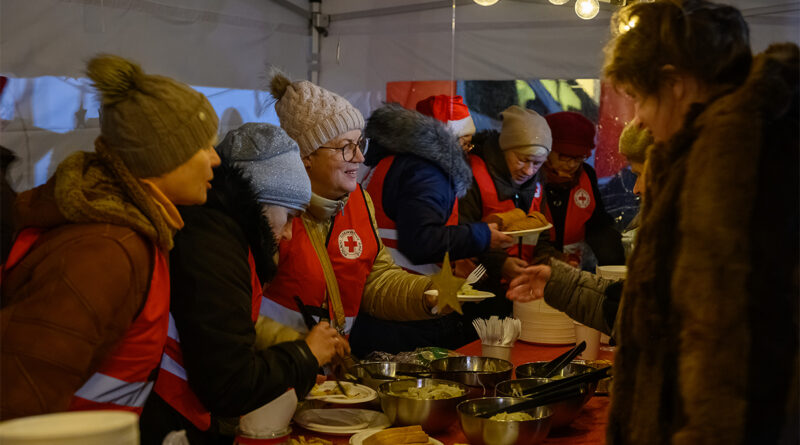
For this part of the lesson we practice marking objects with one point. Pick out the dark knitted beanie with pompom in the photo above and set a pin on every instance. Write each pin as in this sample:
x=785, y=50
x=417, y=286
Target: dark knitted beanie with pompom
x=153, y=123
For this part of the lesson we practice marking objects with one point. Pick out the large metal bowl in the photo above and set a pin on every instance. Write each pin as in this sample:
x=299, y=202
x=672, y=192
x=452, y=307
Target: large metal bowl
x=564, y=412
x=530, y=369
x=435, y=415
x=480, y=431
x=481, y=374
x=373, y=374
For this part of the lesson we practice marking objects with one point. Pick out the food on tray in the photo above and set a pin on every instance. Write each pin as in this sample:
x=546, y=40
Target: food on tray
x=301, y=440
x=403, y=435
x=511, y=417
x=326, y=389
x=466, y=289
x=516, y=220
x=431, y=392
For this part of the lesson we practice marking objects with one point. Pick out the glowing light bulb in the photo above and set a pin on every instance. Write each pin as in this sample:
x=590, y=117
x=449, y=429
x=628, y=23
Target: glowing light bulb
x=486, y=2
x=558, y=2
x=630, y=24
x=587, y=9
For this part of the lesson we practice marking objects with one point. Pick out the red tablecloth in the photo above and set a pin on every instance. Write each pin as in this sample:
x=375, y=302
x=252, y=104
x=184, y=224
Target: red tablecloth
x=588, y=428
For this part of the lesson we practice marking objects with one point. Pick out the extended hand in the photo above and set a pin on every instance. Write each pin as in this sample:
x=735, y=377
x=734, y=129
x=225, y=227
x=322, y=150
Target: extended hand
x=529, y=285
x=513, y=267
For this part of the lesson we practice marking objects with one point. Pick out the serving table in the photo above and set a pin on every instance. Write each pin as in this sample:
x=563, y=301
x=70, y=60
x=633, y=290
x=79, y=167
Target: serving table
x=588, y=428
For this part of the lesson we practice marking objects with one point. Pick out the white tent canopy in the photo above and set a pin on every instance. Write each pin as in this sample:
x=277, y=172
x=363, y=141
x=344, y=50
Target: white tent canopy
x=227, y=44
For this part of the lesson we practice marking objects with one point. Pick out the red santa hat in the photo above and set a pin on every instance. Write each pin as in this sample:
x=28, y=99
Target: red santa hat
x=450, y=110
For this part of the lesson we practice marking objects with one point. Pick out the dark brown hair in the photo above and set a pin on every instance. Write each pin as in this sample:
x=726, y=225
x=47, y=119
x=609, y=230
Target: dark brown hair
x=705, y=40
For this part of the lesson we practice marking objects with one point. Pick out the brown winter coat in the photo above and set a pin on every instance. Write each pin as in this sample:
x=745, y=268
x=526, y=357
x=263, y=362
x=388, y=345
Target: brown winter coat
x=73, y=296
x=708, y=323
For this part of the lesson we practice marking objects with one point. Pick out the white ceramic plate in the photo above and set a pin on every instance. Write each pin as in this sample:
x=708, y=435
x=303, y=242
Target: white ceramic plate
x=519, y=233
x=358, y=439
x=358, y=393
x=341, y=421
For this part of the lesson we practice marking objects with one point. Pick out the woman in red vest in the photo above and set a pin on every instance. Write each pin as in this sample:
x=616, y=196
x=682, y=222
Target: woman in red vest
x=335, y=261
x=505, y=168
x=85, y=290
x=215, y=365
x=572, y=199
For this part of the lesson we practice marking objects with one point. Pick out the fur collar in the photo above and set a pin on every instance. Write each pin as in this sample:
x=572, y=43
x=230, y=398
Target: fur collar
x=394, y=130
x=232, y=195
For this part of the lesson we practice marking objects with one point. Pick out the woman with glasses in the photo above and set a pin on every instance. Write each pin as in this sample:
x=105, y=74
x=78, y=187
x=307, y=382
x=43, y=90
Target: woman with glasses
x=335, y=261
x=505, y=167
x=573, y=203
x=708, y=322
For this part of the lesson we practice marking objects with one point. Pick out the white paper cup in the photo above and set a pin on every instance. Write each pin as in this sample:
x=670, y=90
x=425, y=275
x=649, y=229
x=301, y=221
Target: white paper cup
x=612, y=272
x=592, y=339
x=497, y=351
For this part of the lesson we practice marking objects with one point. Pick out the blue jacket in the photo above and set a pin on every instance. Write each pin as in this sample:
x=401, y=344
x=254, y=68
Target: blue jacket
x=420, y=189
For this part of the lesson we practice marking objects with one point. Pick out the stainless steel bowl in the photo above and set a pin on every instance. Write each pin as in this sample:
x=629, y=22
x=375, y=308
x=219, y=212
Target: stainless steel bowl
x=435, y=415
x=481, y=374
x=480, y=431
x=564, y=412
x=373, y=374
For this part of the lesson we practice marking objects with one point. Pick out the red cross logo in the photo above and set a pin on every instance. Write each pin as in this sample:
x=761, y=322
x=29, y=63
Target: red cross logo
x=350, y=245
x=582, y=198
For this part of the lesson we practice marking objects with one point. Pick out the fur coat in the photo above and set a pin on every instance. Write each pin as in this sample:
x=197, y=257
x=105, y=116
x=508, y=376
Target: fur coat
x=708, y=324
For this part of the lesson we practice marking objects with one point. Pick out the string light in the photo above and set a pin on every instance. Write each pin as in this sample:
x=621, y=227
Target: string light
x=586, y=9
x=487, y=2
x=559, y=2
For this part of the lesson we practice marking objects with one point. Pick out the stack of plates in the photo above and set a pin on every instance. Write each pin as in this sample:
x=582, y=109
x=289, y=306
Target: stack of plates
x=543, y=324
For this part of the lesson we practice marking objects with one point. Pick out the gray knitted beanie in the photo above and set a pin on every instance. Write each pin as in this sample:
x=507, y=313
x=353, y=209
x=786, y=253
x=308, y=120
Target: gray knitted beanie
x=271, y=163
x=312, y=115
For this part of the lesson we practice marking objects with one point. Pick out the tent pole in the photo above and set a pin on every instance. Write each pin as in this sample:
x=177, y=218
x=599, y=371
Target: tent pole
x=319, y=29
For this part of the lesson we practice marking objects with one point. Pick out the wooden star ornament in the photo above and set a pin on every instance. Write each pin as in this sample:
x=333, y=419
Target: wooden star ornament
x=448, y=285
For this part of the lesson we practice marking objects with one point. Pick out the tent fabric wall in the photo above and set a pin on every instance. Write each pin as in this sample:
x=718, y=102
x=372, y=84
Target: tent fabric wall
x=227, y=44
x=509, y=40
x=201, y=42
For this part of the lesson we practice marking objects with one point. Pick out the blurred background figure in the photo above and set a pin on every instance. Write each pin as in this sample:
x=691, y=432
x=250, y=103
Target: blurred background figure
x=572, y=200
x=633, y=144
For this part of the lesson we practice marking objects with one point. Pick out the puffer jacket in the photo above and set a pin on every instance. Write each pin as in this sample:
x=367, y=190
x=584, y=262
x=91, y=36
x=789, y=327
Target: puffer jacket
x=227, y=367
x=428, y=172
x=70, y=300
x=707, y=327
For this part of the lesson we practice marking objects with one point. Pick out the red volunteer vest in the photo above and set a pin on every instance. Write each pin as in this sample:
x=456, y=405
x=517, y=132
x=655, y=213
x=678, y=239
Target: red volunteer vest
x=123, y=380
x=492, y=204
x=387, y=228
x=352, y=248
x=579, y=209
x=172, y=384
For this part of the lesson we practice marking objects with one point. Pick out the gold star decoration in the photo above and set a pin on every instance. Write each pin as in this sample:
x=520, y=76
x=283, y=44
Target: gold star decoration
x=448, y=285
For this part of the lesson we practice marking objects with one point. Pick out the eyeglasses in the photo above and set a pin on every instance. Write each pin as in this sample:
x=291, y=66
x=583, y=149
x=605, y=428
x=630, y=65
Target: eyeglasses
x=571, y=159
x=349, y=149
